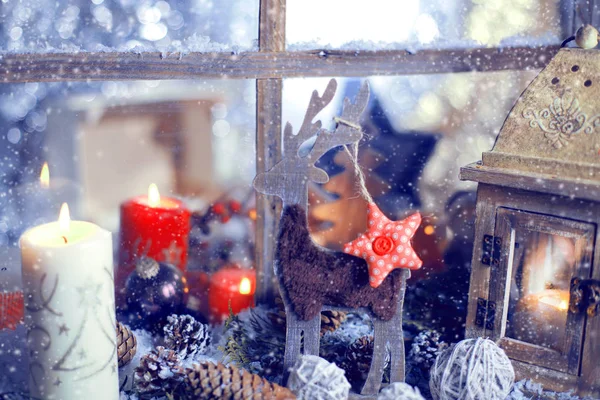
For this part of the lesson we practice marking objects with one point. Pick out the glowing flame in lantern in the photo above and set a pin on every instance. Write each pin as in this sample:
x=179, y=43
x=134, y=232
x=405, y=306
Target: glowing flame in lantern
x=564, y=305
x=153, y=195
x=558, y=299
x=45, y=176
x=64, y=219
x=245, y=286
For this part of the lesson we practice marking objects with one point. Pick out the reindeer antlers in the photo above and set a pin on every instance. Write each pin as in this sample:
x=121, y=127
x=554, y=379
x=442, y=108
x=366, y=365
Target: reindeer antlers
x=348, y=128
x=290, y=176
x=307, y=130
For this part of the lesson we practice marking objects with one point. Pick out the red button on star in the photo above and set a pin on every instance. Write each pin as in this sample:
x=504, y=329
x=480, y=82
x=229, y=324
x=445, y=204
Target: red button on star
x=386, y=245
x=383, y=245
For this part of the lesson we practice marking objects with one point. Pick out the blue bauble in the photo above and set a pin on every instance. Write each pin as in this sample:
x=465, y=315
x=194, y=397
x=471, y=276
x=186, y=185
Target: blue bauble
x=154, y=291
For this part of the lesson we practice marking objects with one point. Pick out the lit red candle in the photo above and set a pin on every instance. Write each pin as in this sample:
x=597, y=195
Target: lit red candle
x=152, y=226
x=231, y=287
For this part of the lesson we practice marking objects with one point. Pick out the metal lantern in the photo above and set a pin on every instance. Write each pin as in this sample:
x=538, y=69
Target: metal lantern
x=535, y=280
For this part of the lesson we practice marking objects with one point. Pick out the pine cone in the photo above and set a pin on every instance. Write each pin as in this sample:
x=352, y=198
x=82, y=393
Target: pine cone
x=186, y=336
x=358, y=359
x=158, y=373
x=272, y=365
x=277, y=318
x=208, y=381
x=330, y=320
x=126, y=345
x=425, y=348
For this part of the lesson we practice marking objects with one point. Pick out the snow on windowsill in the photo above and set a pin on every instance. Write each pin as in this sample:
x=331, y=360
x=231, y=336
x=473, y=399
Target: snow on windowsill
x=413, y=47
x=193, y=44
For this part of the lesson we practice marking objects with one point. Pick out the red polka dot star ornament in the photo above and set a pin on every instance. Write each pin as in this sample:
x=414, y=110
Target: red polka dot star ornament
x=386, y=244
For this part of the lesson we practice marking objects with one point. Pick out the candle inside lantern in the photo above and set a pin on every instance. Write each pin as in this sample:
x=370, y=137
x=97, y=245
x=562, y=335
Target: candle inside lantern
x=231, y=287
x=67, y=270
x=152, y=226
x=541, y=318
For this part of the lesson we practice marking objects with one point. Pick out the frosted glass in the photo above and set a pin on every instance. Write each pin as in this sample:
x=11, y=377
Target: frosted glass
x=416, y=24
x=128, y=25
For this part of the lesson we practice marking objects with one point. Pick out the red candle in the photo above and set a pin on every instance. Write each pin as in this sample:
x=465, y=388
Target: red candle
x=231, y=286
x=154, y=227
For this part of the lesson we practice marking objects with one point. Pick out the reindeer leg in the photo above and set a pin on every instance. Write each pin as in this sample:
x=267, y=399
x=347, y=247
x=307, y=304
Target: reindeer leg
x=312, y=335
x=397, y=361
x=293, y=341
x=396, y=349
x=373, y=383
x=297, y=332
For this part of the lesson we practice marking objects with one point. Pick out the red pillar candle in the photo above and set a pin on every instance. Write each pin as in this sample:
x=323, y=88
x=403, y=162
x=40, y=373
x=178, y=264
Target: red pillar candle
x=154, y=227
x=231, y=285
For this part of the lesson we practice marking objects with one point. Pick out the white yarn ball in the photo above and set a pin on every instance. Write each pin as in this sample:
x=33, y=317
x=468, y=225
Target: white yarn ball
x=473, y=369
x=313, y=378
x=400, y=391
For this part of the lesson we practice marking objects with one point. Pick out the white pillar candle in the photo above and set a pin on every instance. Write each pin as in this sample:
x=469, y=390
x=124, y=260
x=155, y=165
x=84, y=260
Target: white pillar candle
x=70, y=311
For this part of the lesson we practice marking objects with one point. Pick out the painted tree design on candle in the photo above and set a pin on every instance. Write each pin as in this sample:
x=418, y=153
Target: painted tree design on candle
x=44, y=303
x=75, y=357
x=96, y=316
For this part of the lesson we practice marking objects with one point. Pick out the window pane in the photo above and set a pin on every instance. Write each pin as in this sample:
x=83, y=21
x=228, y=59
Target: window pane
x=419, y=131
x=126, y=25
x=414, y=24
x=105, y=143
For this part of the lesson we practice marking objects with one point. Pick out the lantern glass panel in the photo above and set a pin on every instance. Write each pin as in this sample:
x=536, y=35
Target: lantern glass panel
x=542, y=267
x=534, y=259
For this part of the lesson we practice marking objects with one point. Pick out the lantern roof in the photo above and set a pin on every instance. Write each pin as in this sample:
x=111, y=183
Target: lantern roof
x=551, y=136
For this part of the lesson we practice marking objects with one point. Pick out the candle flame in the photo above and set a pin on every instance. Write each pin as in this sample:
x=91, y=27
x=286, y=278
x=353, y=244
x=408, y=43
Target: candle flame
x=153, y=195
x=45, y=176
x=245, y=286
x=564, y=305
x=64, y=219
x=558, y=299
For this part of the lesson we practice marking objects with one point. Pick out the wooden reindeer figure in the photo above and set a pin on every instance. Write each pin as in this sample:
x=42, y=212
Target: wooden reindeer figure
x=313, y=278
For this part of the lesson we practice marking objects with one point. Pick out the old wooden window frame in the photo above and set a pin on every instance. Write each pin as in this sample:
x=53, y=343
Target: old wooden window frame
x=269, y=66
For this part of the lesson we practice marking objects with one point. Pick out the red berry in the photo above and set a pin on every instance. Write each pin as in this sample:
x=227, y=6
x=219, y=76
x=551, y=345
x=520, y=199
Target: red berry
x=235, y=206
x=218, y=208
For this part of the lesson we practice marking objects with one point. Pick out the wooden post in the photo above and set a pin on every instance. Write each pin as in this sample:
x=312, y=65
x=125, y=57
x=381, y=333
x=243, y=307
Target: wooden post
x=268, y=147
x=584, y=12
x=568, y=18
